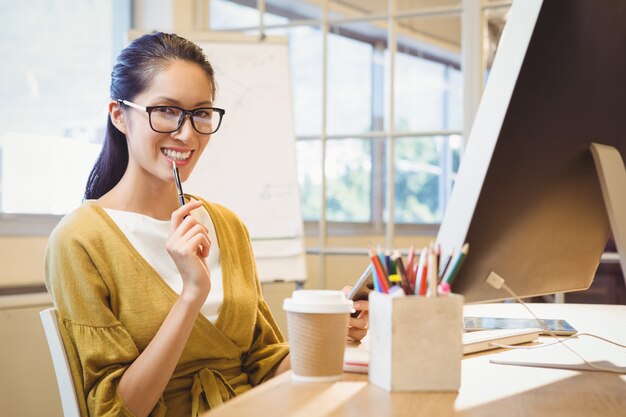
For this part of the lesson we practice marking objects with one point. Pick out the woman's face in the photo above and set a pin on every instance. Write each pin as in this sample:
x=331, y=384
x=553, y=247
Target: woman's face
x=183, y=84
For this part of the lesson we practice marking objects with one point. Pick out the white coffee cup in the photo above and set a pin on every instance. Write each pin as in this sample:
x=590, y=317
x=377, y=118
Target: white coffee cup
x=318, y=325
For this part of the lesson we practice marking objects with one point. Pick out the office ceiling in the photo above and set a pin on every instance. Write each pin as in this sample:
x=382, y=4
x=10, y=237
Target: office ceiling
x=444, y=30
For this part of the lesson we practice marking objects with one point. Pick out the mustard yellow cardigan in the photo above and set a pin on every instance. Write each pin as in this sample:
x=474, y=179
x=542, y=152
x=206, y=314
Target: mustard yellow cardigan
x=111, y=303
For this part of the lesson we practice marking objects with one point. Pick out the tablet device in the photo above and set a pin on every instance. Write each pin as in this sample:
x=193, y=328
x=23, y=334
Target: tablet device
x=362, y=287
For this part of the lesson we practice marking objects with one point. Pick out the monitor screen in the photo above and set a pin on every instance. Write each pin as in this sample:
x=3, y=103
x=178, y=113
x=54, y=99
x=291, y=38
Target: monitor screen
x=527, y=197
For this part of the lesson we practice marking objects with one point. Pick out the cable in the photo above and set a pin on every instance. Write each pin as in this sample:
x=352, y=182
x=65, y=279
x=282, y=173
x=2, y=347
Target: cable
x=554, y=343
x=497, y=282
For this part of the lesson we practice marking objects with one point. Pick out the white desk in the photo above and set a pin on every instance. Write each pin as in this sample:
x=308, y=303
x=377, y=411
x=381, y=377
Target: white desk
x=486, y=389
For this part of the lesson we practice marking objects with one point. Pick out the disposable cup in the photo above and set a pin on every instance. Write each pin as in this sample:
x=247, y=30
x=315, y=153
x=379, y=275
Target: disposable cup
x=317, y=321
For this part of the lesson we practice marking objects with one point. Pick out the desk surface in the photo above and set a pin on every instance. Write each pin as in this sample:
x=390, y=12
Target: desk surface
x=486, y=388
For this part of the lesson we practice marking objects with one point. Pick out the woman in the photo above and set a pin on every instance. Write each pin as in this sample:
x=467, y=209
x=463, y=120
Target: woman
x=160, y=308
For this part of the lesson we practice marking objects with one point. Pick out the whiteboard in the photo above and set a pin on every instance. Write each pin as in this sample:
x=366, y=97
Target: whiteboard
x=249, y=165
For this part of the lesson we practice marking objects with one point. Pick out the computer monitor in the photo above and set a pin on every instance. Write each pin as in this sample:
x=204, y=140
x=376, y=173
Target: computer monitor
x=527, y=197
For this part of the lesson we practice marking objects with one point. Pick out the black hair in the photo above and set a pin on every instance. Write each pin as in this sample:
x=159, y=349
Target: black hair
x=136, y=65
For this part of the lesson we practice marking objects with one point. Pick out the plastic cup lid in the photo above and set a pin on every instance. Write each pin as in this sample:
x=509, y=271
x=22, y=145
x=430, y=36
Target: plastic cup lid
x=318, y=301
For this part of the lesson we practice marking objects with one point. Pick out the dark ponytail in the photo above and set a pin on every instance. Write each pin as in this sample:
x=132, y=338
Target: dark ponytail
x=136, y=65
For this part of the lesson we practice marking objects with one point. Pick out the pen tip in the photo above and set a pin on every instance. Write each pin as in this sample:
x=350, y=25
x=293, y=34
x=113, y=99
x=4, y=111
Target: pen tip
x=173, y=163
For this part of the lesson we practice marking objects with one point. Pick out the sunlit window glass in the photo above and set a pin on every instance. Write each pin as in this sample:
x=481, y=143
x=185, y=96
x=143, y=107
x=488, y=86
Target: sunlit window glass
x=420, y=94
x=54, y=81
x=309, y=155
x=348, y=180
x=417, y=179
x=349, y=108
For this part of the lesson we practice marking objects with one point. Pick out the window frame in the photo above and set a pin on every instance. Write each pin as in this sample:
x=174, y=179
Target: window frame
x=378, y=191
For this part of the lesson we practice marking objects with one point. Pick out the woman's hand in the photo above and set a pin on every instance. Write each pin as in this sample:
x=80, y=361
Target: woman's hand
x=357, y=326
x=188, y=245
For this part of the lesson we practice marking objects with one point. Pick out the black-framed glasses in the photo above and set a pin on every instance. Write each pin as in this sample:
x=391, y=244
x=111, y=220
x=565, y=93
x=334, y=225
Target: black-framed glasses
x=168, y=119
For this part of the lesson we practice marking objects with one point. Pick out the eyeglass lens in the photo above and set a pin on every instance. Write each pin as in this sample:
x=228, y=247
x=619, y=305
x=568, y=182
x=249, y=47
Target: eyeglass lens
x=167, y=119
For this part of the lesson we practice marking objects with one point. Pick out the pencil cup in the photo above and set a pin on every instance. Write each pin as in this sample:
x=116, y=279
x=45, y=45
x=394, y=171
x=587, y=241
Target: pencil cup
x=317, y=321
x=415, y=342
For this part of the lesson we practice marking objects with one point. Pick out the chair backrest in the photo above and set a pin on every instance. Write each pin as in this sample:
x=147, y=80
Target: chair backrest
x=65, y=382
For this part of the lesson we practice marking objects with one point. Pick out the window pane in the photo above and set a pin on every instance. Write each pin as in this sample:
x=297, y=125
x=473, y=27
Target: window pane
x=417, y=179
x=349, y=108
x=348, y=180
x=224, y=14
x=420, y=91
x=426, y=52
x=57, y=187
x=455, y=144
x=309, y=162
x=454, y=99
x=305, y=55
x=54, y=96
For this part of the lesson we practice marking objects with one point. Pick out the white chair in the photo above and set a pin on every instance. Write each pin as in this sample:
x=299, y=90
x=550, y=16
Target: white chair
x=50, y=322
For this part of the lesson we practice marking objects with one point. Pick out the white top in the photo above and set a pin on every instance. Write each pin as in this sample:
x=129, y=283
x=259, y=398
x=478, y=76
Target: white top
x=149, y=236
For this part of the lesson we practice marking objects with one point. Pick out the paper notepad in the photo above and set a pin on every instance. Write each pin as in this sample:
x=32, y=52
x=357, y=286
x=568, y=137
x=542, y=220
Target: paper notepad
x=357, y=356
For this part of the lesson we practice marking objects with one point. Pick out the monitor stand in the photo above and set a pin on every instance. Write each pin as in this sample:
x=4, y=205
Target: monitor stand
x=612, y=176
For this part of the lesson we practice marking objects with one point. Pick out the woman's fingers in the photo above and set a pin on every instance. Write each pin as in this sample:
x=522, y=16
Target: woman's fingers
x=178, y=216
x=190, y=238
x=198, y=236
x=188, y=244
x=194, y=241
x=200, y=244
x=357, y=326
x=346, y=290
x=362, y=305
x=360, y=322
x=195, y=229
x=356, y=334
x=188, y=225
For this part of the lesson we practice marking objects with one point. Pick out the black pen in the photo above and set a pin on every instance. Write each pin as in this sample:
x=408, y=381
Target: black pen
x=179, y=187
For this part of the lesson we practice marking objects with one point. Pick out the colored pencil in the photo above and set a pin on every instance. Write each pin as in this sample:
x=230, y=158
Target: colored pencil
x=406, y=286
x=409, y=266
x=380, y=271
x=458, y=262
x=421, y=265
x=442, y=273
x=432, y=272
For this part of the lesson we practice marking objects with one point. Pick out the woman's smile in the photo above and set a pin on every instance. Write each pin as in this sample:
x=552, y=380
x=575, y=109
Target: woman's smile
x=182, y=156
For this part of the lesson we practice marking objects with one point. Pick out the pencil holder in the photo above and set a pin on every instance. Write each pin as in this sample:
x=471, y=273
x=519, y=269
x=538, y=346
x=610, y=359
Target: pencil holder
x=415, y=342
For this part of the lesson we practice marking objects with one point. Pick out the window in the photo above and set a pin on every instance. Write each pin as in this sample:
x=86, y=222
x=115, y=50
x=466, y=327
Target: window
x=425, y=168
x=349, y=90
x=348, y=180
x=54, y=81
x=427, y=98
